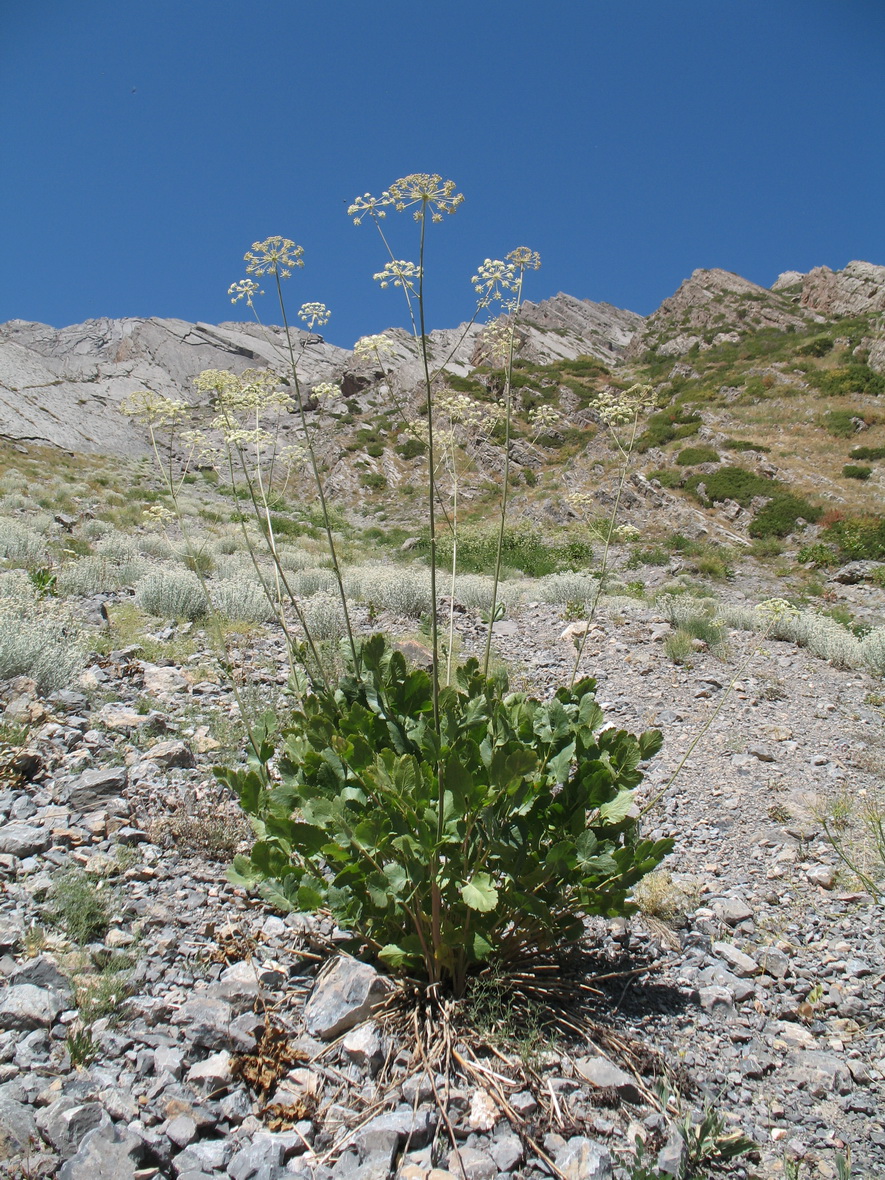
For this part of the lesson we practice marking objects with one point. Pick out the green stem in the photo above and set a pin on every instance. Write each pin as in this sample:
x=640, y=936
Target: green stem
x=299, y=401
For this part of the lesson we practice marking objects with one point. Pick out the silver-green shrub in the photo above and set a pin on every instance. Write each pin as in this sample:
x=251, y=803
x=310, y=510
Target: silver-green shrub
x=172, y=593
x=38, y=639
x=404, y=592
x=89, y=575
x=312, y=581
x=324, y=616
x=21, y=544
x=567, y=587
x=242, y=598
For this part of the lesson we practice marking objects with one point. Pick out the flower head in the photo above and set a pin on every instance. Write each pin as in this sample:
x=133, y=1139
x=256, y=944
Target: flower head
x=776, y=608
x=244, y=289
x=542, y=419
x=525, y=259
x=493, y=278
x=314, y=315
x=617, y=407
x=427, y=191
x=325, y=391
x=274, y=256
x=375, y=349
x=153, y=408
x=399, y=274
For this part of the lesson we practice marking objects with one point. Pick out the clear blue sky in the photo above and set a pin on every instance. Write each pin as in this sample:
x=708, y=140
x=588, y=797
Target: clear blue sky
x=146, y=143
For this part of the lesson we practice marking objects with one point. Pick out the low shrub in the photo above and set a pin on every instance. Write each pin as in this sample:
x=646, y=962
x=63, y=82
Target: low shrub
x=38, y=639
x=403, y=592
x=692, y=456
x=21, y=545
x=842, y=423
x=857, y=538
x=781, y=516
x=666, y=425
x=171, y=593
x=667, y=477
x=242, y=599
x=740, y=444
x=853, y=378
x=855, y=471
x=80, y=905
x=871, y=454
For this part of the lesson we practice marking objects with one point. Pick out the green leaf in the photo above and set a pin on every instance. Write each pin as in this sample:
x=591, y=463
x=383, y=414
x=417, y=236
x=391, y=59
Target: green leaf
x=617, y=809
x=479, y=893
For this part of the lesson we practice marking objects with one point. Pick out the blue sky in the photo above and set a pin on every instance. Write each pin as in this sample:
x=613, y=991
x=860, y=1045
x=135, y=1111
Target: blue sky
x=146, y=144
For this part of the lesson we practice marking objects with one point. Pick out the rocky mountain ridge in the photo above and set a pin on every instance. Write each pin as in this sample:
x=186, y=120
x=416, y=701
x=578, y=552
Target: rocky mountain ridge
x=63, y=386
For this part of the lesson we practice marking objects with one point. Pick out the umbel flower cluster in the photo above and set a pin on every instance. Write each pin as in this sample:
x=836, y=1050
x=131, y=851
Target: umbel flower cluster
x=422, y=191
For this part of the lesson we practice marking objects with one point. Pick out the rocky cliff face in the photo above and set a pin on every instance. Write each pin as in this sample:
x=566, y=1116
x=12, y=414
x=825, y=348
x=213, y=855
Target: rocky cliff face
x=714, y=307
x=856, y=290
x=64, y=386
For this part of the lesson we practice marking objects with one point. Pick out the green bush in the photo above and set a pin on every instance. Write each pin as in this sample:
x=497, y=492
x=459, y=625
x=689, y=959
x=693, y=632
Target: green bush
x=691, y=456
x=411, y=448
x=853, y=471
x=666, y=425
x=732, y=483
x=778, y=518
x=822, y=555
x=849, y=379
x=820, y=346
x=80, y=906
x=494, y=840
x=667, y=477
x=841, y=422
x=740, y=444
x=858, y=538
x=868, y=453
x=374, y=480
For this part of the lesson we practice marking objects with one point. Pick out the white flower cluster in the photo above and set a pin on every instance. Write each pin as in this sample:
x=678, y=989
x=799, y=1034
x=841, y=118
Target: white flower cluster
x=493, y=277
x=274, y=256
x=244, y=289
x=617, y=407
x=399, y=274
x=543, y=418
x=325, y=391
x=374, y=349
x=153, y=408
x=315, y=315
x=427, y=191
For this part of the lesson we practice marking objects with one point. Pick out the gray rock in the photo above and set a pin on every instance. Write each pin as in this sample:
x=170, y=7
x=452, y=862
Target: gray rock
x=182, y=1131
x=259, y=1160
x=344, y=995
x=742, y=965
x=819, y=1073
x=95, y=787
x=717, y=1000
x=672, y=1156
x=169, y=755
x=773, y=961
x=25, y=1006
x=67, y=1121
x=42, y=972
x=17, y=1124
x=212, y=1074
x=473, y=1164
x=582, y=1159
x=719, y=975
x=206, y=1155
x=21, y=840
x=414, y=1127
x=734, y=911
x=507, y=1152
x=601, y=1072
x=363, y=1046
x=106, y=1153
x=822, y=875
